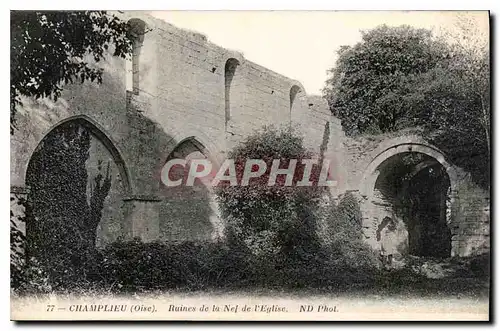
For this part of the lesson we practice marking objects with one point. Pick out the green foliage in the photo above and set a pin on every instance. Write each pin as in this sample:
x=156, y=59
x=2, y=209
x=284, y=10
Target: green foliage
x=137, y=267
x=400, y=77
x=53, y=48
x=371, y=88
x=480, y=265
x=133, y=265
x=32, y=277
x=344, y=237
x=279, y=225
x=17, y=245
x=271, y=220
x=457, y=110
x=61, y=224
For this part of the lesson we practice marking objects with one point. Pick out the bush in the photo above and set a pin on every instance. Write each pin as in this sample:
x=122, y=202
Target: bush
x=133, y=265
x=480, y=265
x=17, y=247
x=136, y=266
x=32, y=277
x=272, y=220
x=346, y=249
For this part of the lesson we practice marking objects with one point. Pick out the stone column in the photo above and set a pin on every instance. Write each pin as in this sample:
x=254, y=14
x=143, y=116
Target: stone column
x=142, y=219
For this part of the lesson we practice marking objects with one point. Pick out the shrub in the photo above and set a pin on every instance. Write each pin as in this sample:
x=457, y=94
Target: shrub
x=272, y=220
x=134, y=265
x=344, y=242
x=32, y=277
x=25, y=276
x=480, y=265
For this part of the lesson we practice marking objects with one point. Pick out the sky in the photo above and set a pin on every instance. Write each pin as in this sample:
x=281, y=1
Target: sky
x=301, y=45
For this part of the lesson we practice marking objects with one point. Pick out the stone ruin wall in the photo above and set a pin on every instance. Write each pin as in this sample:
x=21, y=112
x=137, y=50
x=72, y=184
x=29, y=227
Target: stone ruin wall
x=178, y=95
x=470, y=204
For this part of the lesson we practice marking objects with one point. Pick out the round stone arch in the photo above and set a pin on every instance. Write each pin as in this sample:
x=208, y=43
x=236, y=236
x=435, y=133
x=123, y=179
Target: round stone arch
x=233, y=86
x=298, y=84
x=368, y=180
x=298, y=103
x=104, y=138
x=370, y=174
x=295, y=89
x=230, y=54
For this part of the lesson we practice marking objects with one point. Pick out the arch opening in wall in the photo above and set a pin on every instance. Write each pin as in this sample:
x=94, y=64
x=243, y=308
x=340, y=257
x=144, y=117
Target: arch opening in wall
x=295, y=92
x=230, y=70
x=414, y=189
x=77, y=183
x=137, y=30
x=188, y=211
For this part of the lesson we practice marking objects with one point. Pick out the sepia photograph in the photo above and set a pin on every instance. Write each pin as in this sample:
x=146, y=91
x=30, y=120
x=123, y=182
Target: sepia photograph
x=250, y=165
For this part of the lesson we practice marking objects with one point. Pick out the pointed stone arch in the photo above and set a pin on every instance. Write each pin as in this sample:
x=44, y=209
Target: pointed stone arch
x=103, y=137
x=100, y=158
x=189, y=212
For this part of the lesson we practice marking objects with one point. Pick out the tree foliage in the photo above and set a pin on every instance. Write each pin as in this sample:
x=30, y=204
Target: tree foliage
x=53, y=48
x=61, y=216
x=277, y=219
x=457, y=100
x=371, y=86
x=399, y=77
x=283, y=227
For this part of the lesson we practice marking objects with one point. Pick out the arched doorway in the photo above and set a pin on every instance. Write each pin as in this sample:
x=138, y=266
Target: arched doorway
x=77, y=182
x=415, y=188
x=413, y=184
x=188, y=212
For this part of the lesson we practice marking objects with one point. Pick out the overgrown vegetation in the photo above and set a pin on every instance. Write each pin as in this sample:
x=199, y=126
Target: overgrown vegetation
x=48, y=50
x=344, y=237
x=276, y=220
x=136, y=267
x=394, y=78
x=272, y=238
x=60, y=216
x=52, y=48
x=402, y=77
x=276, y=238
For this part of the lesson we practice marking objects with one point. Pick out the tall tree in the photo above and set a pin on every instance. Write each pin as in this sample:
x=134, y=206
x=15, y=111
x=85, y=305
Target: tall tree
x=456, y=98
x=399, y=77
x=371, y=87
x=62, y=216
x=50, y=49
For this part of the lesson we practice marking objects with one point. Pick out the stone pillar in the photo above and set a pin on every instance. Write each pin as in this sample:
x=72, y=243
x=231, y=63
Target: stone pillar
x=453, y=224
x=142, y=219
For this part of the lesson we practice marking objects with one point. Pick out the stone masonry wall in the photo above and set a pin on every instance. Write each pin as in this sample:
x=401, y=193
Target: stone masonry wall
x=182, y=94
x=470, y=216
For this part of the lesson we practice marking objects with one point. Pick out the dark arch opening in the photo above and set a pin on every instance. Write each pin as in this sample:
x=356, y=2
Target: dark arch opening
x=75, y=200
x=293, y=93
x=415, y=188
x=229, y=73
